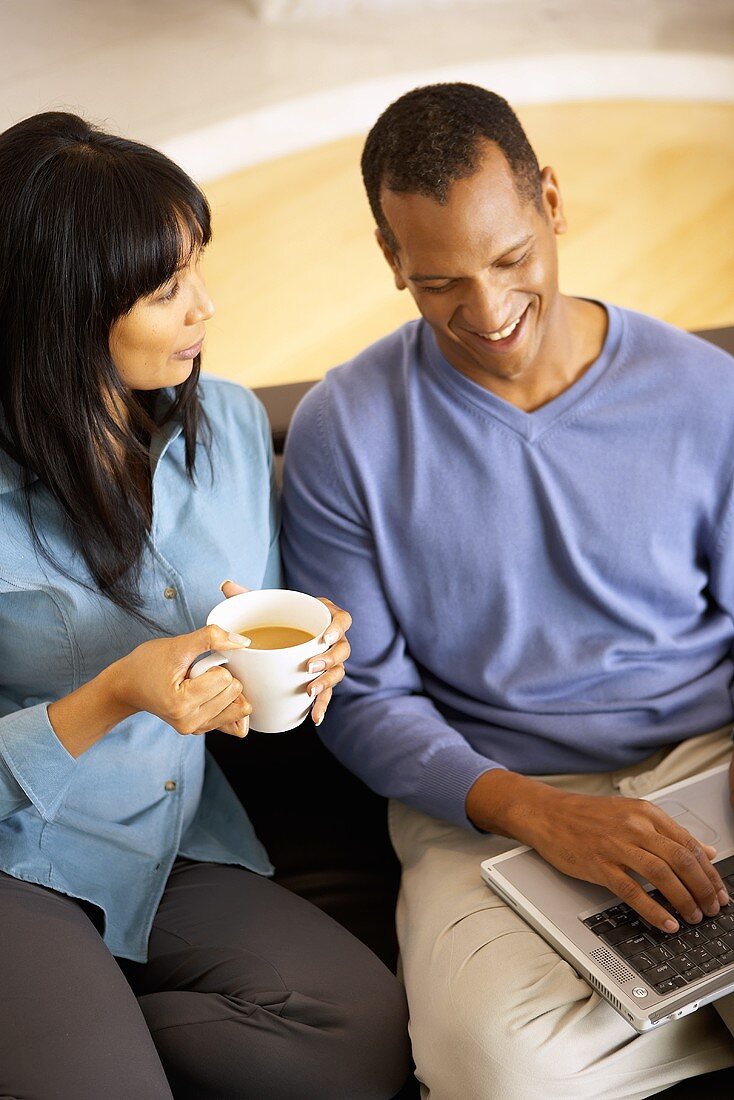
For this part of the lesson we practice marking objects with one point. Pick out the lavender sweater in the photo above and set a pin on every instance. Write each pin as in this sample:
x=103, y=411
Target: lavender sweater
x=547, y=592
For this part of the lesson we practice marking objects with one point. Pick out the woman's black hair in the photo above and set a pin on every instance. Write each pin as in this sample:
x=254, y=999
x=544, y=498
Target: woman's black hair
x=90, y=224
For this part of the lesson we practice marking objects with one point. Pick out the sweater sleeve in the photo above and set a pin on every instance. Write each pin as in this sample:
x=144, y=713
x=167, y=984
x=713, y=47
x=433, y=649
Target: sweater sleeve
x=721, y=559
x=380, y=724
x=35, y=768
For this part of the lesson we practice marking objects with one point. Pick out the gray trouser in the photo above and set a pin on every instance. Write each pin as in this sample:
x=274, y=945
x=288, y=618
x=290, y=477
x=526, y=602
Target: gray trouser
x=249, y=992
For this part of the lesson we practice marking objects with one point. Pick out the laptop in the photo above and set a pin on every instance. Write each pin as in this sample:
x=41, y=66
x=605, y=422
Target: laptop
x=650, y=977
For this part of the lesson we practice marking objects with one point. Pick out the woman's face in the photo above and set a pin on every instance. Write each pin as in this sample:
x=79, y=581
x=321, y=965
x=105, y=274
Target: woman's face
x=155, y=344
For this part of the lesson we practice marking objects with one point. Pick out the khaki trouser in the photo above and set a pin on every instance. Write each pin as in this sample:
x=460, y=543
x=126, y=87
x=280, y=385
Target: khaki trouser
x=496, y=1013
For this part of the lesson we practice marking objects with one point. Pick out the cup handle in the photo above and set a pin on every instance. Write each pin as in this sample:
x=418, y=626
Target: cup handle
x=203, y=664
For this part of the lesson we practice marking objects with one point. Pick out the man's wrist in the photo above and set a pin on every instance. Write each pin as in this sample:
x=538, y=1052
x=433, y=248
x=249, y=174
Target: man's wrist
x=506, y=802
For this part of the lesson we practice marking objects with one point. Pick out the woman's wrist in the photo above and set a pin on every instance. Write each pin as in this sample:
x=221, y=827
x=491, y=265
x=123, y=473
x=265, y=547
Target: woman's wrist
x=87, y=714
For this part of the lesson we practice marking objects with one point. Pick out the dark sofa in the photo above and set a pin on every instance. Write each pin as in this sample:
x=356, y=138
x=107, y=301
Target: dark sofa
x=326, y=832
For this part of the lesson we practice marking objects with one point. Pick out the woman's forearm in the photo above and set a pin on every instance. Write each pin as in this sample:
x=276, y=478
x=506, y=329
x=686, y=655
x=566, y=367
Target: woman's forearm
x=87, y=714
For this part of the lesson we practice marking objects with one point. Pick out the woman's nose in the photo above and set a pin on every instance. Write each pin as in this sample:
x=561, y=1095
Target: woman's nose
x=203, y=306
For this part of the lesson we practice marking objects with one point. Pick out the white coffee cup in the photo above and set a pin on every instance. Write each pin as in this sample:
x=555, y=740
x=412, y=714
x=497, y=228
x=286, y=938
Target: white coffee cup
x=275, y=681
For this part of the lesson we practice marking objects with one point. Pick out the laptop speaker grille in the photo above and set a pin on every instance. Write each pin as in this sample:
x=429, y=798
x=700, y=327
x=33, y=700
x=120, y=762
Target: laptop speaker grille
x=606, y=994
x=612, y=965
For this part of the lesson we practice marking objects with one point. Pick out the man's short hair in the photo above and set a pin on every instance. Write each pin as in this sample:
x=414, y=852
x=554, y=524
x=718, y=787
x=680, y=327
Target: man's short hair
x=431, y=137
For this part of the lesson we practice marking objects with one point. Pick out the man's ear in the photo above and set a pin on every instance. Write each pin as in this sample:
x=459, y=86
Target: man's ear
x=552, y=201
x=392, y=260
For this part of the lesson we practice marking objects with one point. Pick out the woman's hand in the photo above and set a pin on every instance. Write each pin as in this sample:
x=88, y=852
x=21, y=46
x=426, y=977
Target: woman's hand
x=154, y=677
x=329, y=665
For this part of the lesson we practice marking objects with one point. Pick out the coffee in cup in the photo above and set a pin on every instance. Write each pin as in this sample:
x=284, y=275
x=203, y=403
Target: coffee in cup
x=274, y=678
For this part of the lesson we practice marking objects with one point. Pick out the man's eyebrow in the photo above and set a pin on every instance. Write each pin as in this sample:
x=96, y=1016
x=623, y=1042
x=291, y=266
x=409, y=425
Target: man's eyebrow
x=513, y=248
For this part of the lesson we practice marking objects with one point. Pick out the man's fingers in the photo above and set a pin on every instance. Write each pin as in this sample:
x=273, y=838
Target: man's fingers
x=692, y=865
x=658, y=872
x=638, y=899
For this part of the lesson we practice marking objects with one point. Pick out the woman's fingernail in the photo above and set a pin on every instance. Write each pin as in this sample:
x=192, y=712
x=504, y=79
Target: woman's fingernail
x=331, y=637
x=317, y=666
x=314, y=690
x=243, y=726
x=221, y=587
x=240, y=639
x=319, y=720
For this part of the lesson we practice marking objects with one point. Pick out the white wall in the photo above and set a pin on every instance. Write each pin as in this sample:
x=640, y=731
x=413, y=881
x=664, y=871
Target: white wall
x=272, y=10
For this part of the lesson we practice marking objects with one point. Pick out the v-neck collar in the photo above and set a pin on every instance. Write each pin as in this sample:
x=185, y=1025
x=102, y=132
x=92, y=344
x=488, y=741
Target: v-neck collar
x=528, y=425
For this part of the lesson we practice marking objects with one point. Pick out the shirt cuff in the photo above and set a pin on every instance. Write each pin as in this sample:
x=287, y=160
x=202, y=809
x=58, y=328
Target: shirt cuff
x=37, y=760
x=446, y=780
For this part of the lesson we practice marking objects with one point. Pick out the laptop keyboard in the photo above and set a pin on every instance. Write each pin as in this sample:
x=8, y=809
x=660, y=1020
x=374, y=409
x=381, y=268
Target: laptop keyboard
x=669, y=961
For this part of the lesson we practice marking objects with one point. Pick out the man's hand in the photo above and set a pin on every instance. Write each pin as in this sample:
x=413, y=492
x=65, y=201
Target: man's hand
x=602, y=839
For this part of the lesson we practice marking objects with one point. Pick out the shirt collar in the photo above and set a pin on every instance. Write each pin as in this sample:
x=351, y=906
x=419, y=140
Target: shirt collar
x=12, y=475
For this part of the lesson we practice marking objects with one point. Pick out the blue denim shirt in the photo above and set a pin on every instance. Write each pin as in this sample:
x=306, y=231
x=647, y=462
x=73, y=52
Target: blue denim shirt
x=107, y=826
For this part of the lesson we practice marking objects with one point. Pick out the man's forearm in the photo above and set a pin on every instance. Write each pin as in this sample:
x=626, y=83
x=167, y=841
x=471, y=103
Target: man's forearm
x=507, y=803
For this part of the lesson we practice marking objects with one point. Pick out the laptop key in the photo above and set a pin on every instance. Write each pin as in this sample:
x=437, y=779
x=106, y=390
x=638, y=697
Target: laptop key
x=726, y=920
x=682, y=964
x=727, y=958
x=632, y=947
x=641, y=962
x=717, y=947
x=660, y=973
x=710, y=929
x=709, y=965
x=676, y=946
x=615, y=935
x=699, y=955
x=602, y=927
x=656, y=934
x=693, y=975
x=670, y=984
x=598, y=918
x=659, y=954
x=694, y=938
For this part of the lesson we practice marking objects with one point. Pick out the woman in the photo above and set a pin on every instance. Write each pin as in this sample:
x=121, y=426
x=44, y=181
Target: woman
x=144, y=953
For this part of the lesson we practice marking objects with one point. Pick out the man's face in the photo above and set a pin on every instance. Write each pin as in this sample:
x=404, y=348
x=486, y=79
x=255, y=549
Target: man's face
x=482, y=269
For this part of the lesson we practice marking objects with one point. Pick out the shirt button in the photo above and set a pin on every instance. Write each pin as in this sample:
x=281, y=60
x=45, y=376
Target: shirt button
x=170, y=785
x=170, y=593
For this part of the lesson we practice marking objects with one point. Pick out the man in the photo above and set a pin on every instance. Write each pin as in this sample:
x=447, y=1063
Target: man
x=525, y=500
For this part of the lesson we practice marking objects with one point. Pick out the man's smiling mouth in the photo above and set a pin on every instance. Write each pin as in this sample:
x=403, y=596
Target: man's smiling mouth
x=502, y=333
